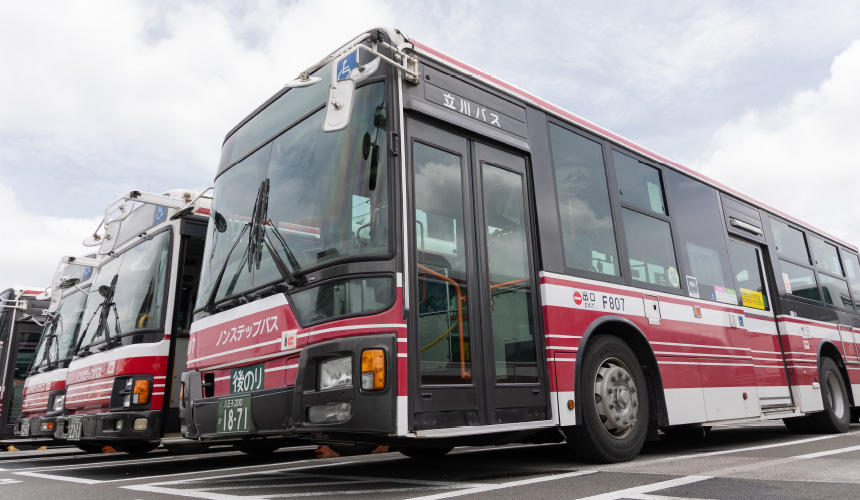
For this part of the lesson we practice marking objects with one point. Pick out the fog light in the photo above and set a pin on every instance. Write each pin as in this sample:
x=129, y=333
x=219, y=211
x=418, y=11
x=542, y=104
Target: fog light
x=117, y=426
x=140, y=424
x=332, y=412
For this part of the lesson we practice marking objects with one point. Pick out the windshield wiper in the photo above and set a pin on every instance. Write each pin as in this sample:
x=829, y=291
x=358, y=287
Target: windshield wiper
x=105, y=307
x=264, y=223
x=217, y=283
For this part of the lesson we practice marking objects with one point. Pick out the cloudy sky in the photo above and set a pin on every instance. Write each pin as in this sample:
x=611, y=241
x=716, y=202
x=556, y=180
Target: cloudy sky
x=103, y=97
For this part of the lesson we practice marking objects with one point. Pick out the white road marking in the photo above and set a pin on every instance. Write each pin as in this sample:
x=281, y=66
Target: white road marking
x=60, y=478
x=500, y=486
x=8, y=481
x=660, y=497
x=662, y=485
x=828, y=452
x=751, y=448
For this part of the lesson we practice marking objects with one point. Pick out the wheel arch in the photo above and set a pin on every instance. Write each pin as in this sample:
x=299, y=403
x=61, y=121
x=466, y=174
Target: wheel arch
x=627, y=331
x=827, y=349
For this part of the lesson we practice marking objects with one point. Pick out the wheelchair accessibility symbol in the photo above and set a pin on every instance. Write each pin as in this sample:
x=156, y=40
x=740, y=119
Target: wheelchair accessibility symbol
x=160, y=214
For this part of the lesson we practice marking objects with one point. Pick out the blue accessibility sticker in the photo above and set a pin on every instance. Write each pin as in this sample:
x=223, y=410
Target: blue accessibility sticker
x=346, y=65
x=160, y=214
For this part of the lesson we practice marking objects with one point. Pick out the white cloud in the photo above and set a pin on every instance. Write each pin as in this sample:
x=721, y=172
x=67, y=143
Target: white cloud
x=800, y=157
x=31, y=245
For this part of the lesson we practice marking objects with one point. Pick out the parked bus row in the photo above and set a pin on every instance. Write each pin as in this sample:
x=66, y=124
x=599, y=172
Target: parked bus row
x=404, y=250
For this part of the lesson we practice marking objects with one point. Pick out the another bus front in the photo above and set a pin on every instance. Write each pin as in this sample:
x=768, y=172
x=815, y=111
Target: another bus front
x=45, y=389
x=120, y=389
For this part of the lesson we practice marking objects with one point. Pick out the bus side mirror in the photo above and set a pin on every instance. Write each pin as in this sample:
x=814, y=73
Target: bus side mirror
x=220, y=222
x=339, y=106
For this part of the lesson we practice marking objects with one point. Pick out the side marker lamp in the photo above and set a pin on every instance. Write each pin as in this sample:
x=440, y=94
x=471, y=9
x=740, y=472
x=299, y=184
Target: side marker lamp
x=141, y=392
x=372, y=370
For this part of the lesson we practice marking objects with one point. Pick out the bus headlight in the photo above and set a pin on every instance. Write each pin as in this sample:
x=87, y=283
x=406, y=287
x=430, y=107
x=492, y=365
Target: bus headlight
x=59, y=401
x=335, y=373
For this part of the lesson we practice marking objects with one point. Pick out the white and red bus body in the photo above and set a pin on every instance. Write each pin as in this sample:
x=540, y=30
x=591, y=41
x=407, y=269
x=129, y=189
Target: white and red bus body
x=22, y=310
x=503, y=271
x=122, y=384
x=45, y=389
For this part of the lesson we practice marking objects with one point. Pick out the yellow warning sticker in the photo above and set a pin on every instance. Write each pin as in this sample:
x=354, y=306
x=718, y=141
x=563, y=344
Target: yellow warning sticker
x=751, y=298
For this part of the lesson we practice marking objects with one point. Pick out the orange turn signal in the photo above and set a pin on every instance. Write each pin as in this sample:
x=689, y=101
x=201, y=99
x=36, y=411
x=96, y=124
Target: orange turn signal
x=141, y=392
x=373, y=370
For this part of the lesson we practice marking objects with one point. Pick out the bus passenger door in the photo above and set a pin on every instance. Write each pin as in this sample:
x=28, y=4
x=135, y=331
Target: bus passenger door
x=475, y=354
x=760, y=322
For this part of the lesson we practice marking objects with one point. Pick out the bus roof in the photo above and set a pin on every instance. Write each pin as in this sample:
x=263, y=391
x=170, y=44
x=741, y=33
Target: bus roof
x=605, y=133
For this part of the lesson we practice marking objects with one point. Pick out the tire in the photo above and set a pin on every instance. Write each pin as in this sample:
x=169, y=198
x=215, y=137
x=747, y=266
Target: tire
x=137, y=448
x=349, y=450
x=421, y=452
x=260, y=446
x=798, y=425
x=837, y=414
x=614, y=404
x=90, y=448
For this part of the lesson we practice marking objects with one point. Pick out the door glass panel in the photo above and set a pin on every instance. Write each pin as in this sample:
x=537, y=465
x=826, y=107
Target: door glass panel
x=510, y=284
x=26, y=351
x=443, y=322
x=745, y=264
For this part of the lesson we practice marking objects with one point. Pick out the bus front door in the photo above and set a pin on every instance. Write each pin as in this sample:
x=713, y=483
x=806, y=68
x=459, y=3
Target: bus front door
x=760, y=322
x=476, y=353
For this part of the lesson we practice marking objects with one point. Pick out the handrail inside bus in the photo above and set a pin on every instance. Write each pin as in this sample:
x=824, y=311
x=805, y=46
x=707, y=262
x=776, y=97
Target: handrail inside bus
x=463, y=372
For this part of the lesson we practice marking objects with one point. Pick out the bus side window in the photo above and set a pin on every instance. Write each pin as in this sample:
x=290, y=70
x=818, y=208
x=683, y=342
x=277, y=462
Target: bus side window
x=852, y=269
x=588, y=235
x=703, y=250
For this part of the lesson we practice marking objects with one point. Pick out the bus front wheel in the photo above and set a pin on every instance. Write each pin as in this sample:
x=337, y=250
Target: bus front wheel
x=614, y=403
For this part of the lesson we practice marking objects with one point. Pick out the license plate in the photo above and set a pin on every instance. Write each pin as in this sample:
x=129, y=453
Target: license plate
x=25, y=427
x=76, y=424
x=234, y=414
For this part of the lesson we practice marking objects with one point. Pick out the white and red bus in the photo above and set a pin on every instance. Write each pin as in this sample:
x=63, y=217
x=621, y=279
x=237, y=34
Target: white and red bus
x=22, y=312
x=45, y=388
x=122, y=383
x=406, y=250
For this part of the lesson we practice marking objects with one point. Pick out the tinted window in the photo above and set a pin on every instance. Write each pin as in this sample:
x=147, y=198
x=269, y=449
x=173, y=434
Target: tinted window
x=825, y=255
x=583, y=203
x=789, y=241
x=639, y=184
x=649, y=243
x=799, y=280
x=703, y=244
x=745, y=263
x=835, y=291
x=852, y=268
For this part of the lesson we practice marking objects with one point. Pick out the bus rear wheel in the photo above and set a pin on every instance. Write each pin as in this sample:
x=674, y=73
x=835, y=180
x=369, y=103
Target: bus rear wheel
x=837, y=414
x=614, y=403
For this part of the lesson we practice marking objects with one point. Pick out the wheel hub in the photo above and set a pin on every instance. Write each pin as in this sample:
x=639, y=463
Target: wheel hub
x=616, y=398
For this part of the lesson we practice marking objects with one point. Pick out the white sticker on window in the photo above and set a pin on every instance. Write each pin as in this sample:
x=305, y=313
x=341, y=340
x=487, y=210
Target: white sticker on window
x=787, y=282
x=693, y=287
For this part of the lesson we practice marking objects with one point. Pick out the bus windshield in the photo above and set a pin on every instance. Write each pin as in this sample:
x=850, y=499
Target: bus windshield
x=326, y=199
x=136, y=279
x=61, y=331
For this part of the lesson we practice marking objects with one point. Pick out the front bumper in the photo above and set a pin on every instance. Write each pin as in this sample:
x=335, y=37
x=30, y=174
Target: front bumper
x=101, y=428
x=283, y=411
x=40, y=427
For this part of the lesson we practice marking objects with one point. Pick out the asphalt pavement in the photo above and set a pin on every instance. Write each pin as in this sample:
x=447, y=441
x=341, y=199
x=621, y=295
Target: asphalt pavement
x=753, y=461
